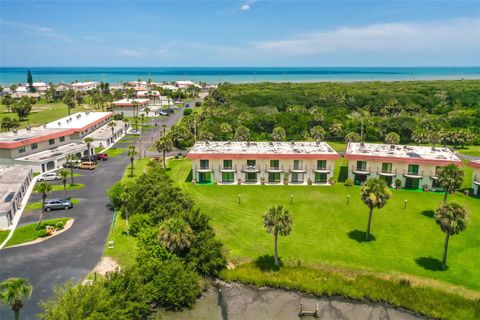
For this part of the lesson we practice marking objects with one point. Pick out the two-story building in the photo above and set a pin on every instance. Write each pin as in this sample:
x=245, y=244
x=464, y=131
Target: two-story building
x=262, y=162
x=475, y=164
x=14, y=182
x=414, y=166
x=83, y=86
x=129, y=107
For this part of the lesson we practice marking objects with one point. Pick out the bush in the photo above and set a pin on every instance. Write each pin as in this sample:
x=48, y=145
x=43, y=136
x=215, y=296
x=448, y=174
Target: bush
x=332, y=180
x=187, y=112
x=198, y=104
x=398, y=183
x=42, y=233
x=60, y=225
x=118, y=116
x=349, y=182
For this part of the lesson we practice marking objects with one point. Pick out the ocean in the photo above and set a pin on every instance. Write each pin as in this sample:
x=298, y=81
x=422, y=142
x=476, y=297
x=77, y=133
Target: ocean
x=116, y=75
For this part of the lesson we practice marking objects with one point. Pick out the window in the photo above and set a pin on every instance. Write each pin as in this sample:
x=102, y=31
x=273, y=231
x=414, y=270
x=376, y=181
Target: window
x=61, y=139
x=274, y=177
x=413, y=169
x=274, y=164
x=321, y=164
x=361, y=165
x=297, y=164
x=51, y=141
x=203, y=164
x=250, y=177
x=21, y=149
x=34, y=146
x=227, y=164
x=251, y=163
x=386, y=167
x=227, y=177
x=297, y=177
x=320, y=177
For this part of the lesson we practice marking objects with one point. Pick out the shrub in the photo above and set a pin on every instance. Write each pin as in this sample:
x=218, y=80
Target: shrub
x=309, y=181
x=349, y=182
x=187, y=112
x=398, y=183
x=43, y=233
x=60, y=225
x=198, y=104
x=118, y=116
x=332, y=180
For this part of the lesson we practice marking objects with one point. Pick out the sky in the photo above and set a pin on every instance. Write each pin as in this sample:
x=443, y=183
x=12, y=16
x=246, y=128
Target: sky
x=239, y=33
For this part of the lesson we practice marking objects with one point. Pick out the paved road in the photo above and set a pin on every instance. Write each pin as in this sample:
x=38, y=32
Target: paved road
x=72, y=254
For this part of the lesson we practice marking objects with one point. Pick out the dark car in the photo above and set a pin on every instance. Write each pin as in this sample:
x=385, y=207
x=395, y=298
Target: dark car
x=102, y=156
x=187, y=105
x=56, y=204
x=88, y=159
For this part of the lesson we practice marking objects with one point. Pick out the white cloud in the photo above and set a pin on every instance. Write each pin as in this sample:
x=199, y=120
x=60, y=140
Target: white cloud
x=129, y=53
x=36, y=30
x=245, y=7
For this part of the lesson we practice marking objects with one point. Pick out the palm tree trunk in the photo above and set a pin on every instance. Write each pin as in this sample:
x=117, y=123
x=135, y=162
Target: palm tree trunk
x=126, y=221
x=71, y=174
x=65, y=189
x=131, y=167
x=445, y=196
x=367, y=235
x=277, y=263
x=164, y=164
x=44, y=196
x=17, y=314
x=445, y=248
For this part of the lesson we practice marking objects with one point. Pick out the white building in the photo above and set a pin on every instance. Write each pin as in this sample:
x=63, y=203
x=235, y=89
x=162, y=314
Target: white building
x=84, y=86
x=40, y=86
x=262, y=162
x=130, y=107
x=414, y=166
x=14, y=182
x=184, y=84
x=476, y=176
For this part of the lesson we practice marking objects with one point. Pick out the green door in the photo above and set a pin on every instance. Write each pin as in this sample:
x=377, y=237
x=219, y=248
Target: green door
x=204, y=177
x=412, y=183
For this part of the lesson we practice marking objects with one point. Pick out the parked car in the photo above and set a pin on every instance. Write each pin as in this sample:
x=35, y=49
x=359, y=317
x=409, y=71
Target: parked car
x=50, y=176
x=72, y=163
x=88, y=165
x=88, y=159
x=187, y=105
x=163, y=113
x=55, y=204
x=176, y=107
x=134, y=132
x=102, y=156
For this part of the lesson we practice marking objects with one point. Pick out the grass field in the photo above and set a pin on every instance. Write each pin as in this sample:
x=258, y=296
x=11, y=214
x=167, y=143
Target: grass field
x=114, y=152
x=27, y=233
x=44, y=112
x=328, y=231
x=59, y=187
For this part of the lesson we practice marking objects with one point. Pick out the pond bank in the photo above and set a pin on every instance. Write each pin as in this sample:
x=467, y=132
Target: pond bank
x=234, y=301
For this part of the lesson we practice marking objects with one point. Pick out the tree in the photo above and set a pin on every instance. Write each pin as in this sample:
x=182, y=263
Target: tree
x=176, y=235
x=88, y=141
x=450, y=177
x=392, y=138
x=452, y=219
x=69, y=101
x=50, y=93
x=352, y=137
x=277, y=220
x=374, y=194
x=8, y=101
x=70, y=158
x=132, y=152
x=242, y=134
x=112, y=124
x=164, y=145
x=30, y=86
x=279, y=134
x=23, y=108
x=317, y=133
x=336, y=129
x=44, y=188
x=64, y=175
x=13, y=292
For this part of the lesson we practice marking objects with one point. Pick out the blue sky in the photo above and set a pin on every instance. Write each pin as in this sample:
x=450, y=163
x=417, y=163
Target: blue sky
x=239, y=33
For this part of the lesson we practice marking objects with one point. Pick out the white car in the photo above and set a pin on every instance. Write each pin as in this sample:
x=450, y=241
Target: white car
x=51, y=176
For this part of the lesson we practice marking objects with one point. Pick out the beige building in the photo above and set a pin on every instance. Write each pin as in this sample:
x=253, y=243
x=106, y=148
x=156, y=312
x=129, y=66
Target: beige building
x=414, y=166
x=262, y=162
x=476, y=176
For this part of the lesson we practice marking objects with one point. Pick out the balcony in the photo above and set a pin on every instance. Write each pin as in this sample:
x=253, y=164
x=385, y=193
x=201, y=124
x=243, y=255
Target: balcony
x=251, y=169
x=391, y=173
x=413, y=174
x=322, y=169
x=298, y=169
x=227, y=169
x=361, y=170
x=203, y=168
x=278, y=169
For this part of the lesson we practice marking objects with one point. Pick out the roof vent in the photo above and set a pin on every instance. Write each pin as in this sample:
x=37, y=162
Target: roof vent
x=362, y=144
x=392, y=147
x=28, y=128
x=15, y=131
x=59, y=123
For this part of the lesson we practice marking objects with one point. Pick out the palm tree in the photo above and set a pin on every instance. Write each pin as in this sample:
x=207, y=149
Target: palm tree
x=132, y=152
x=13, y=292
x=164, y=145
x=176, y=235
x=44, y=188
x=112, y=125
x=279, y=134
x=450, y=178
x=375, y=194
x=89, y=141
x=142, y=118
x=278, y=221
x=392, y=138
x=317, y=133
x=242, y=134
x=352, y=137
x=452, y=219
x=70, y=158
x=135, y=112
x=147, y=111
x=125, y=124
x=64, y=175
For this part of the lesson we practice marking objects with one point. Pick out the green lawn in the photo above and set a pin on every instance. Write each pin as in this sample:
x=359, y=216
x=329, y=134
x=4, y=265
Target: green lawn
x=114, y=152
x=138, y=168
x=125, y=247
x=43, y=112
x=470, y=151
x=27, y=233
x=76, y=186
x=330, y=232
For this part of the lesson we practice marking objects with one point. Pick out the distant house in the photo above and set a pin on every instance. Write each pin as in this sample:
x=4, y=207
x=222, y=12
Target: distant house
x=62, y=87
x=127, y=107
x=168, y=87
x=39, y=86
x=84, y=86
x=476, y=176
x=184, y=84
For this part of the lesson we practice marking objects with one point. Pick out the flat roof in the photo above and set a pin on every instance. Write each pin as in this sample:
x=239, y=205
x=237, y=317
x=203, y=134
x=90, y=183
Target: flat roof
x=400, y=153
x=474, y=163
x=105, y=132
x=83, y=84
x=79, y=120
x=129, y=102
x=11, y=178
x=264, y=149
x=54, y=153
x=11, y=140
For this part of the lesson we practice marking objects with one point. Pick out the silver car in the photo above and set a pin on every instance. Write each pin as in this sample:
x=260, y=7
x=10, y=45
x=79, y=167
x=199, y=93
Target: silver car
x=50, y=176
x=55, y=204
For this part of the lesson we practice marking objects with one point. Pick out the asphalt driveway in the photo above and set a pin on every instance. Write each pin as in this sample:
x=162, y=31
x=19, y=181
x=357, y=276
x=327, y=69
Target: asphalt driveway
x=72, y=254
